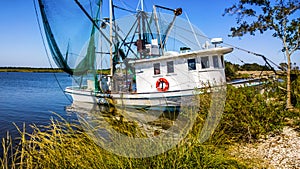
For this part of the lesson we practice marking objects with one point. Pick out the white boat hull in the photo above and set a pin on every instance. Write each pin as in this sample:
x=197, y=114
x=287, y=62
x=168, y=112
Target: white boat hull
x=132, y=100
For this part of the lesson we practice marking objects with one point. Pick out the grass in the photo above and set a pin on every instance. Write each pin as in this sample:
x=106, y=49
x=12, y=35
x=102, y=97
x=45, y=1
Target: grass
x=65, y=145
x=248, y=115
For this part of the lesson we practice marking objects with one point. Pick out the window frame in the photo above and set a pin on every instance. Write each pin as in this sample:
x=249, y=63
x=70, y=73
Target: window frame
x=205, y=65
x=156, y=68
x=194, y=66
x=216, y=64
x=222, y=61
x=170, y=66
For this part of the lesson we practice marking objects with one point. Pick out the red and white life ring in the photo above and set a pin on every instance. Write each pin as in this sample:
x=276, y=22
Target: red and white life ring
x=162, y=85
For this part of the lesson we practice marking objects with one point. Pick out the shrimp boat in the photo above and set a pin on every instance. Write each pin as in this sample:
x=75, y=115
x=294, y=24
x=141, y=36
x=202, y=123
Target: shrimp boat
x=142, y=60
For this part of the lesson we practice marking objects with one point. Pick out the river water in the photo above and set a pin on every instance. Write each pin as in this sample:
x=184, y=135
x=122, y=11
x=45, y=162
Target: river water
x=31, y=98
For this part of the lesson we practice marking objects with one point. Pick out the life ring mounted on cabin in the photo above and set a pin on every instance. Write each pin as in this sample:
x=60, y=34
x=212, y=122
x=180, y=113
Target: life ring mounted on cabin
x=162, y=85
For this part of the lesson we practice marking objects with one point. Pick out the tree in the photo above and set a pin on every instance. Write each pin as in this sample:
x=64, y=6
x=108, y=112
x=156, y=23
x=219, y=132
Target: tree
x=280, y=17
x=283, y=66
x=230, y=70
x=254, y=67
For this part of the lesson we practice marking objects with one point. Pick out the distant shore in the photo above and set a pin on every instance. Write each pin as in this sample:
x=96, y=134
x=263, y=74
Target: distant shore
x=40, y=70
x=29, y=69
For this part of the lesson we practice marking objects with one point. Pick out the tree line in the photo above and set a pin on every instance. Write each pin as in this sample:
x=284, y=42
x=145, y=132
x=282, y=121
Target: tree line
x=279, y=17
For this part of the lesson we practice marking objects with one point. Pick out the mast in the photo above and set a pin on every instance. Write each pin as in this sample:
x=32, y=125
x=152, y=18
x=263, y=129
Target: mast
x=111, y=36
x=142, y=5
x=164, y=40
x=157, y=28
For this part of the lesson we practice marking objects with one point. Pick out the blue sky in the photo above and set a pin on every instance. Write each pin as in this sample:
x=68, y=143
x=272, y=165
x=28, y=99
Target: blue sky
x=21, y=43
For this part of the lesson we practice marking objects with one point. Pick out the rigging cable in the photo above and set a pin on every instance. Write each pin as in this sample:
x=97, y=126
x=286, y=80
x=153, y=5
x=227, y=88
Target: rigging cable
x=239, y=59
x=253, y=53
x=47, y=54
x=130, y=11
x=260, y=55
x=192, y=29
x=127, y=6
x=247, y=51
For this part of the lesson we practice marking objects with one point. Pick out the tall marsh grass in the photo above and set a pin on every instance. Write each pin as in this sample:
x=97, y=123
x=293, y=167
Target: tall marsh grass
x=248, y=116
x=65, y=145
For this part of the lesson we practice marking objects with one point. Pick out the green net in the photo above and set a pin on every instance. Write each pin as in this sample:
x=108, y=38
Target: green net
x=78, y=35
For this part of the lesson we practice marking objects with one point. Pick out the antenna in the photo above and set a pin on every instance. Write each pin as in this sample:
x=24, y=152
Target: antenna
x=216, y=41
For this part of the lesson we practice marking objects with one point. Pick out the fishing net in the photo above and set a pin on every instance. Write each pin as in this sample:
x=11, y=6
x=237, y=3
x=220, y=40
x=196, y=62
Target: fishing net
x=67, y=29
x=78, y=34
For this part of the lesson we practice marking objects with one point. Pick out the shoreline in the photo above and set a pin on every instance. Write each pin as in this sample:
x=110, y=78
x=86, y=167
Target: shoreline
x=39, y=70
x=29, y=69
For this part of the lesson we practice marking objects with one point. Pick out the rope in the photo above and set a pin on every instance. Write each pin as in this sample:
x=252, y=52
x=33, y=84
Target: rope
x=260, y=55
x=247, y=51
x=47, y=54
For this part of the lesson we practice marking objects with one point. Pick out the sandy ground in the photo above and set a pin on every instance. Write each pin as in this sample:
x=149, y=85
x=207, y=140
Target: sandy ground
x=278, y=151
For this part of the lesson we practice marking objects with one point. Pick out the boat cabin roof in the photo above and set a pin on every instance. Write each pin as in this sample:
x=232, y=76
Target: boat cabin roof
x=174, y=55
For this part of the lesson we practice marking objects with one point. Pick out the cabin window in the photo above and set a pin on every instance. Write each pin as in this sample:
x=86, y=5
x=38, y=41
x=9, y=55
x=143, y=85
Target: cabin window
x=156, y=68
x=216, y=61
x=170, y=67
x=222, y=61
x=192, y=64
x=204, y=62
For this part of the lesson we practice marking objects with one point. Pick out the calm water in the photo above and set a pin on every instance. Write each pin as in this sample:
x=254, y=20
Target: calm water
x=31, y=98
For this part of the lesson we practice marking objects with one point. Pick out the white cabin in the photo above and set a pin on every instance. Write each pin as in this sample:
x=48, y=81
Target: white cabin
x=182, y=71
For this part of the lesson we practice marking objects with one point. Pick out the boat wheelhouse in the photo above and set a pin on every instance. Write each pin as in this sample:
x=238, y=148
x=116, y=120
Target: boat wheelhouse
x=182, y=72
